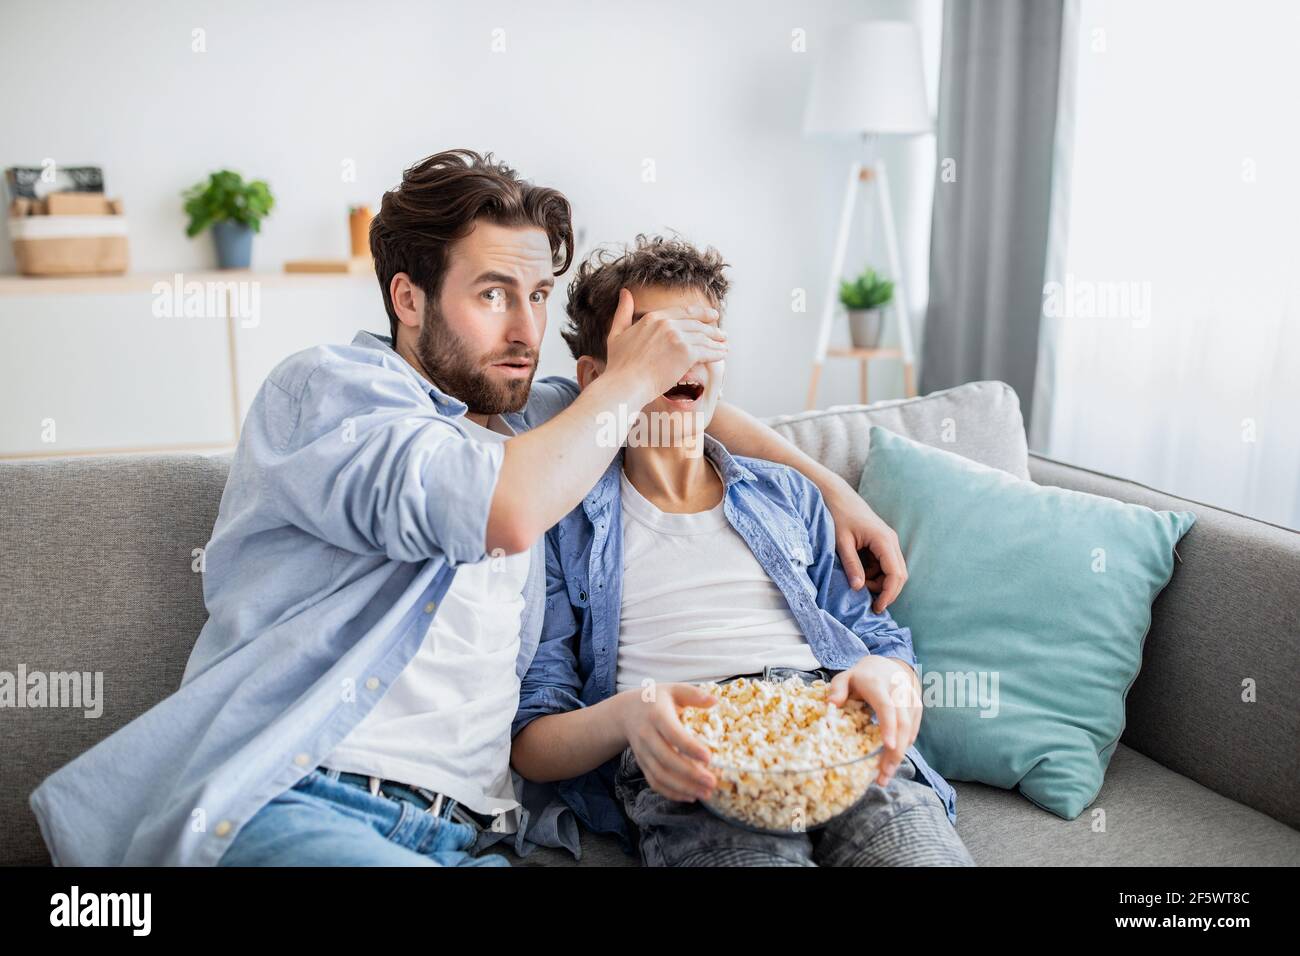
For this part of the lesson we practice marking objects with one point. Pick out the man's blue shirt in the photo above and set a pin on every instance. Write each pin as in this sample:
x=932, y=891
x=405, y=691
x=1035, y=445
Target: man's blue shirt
x=353, y=495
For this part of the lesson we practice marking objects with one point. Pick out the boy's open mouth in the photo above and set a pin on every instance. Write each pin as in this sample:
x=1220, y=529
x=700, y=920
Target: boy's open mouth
x=687, y=390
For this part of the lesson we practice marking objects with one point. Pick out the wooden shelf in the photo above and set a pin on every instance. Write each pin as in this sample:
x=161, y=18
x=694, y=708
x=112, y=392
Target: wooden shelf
x=137, y=282
x=863, y=357
x=864, y=353
x=210, y=448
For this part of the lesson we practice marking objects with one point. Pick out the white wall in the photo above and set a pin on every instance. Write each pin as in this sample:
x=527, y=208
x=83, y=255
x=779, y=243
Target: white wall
x=582, y=96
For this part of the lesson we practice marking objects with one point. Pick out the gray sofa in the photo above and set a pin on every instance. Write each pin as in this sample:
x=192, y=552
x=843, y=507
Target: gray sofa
x=96, y=574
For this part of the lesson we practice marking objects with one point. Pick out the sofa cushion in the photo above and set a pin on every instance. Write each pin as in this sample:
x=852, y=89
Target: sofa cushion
x=96, y=575
x=1151, y=817
x=1145, y=815
x=979, y=420
x=1033, y=600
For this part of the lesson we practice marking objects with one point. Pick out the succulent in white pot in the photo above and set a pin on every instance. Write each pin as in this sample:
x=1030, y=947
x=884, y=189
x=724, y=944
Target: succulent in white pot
x=865, y=298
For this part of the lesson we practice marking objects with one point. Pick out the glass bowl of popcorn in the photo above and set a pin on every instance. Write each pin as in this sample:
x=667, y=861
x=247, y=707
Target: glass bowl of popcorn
x=786, y=759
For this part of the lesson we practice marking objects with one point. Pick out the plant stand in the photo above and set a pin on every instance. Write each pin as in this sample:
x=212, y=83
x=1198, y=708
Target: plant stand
x=864, y=356
x=858, y=174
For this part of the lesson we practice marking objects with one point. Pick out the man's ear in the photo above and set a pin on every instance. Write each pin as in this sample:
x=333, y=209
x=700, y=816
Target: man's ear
x=408, y=301
x=589, y=369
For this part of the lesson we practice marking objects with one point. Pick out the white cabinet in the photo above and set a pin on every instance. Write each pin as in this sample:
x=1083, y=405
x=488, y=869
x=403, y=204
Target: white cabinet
x=98, y=365
x=299, y=315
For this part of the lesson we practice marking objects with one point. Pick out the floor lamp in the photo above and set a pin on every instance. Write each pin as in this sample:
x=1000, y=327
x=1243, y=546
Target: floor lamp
x=868, y=83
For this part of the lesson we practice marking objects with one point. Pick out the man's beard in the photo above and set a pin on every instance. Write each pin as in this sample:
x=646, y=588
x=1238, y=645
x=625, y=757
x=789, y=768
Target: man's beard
x=453, y=369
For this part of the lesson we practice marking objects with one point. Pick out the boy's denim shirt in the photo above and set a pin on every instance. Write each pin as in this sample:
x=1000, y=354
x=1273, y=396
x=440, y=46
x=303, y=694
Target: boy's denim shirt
x=780, y=515
x=352, y=497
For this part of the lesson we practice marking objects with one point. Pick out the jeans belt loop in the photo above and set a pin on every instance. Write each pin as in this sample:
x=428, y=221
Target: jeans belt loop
x=461, y=815
x=435, y=799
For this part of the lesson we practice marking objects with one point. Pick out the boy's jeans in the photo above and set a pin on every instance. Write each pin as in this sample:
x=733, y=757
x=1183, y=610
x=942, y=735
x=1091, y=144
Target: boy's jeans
x=327, y=821
x=904, y=824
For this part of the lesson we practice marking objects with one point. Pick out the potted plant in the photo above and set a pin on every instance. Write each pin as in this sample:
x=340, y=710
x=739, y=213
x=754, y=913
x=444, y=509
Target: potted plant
x=234, y=209
x=865, y=298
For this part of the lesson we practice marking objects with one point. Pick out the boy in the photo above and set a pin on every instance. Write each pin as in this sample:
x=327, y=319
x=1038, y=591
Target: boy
x=678, y=569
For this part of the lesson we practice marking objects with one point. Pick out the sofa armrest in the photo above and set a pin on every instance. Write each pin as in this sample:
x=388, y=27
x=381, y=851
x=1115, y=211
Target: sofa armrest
x=1227, y=624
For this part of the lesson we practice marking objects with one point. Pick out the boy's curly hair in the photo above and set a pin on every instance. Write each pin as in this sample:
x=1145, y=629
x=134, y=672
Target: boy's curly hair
x=650, y=261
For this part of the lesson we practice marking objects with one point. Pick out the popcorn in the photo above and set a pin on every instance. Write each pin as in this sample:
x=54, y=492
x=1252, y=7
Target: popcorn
x=785, y=758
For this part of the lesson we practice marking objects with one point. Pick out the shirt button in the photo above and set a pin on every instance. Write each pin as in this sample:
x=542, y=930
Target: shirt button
x=372, y=683
x=223, y=828
x=302, y=759
x=582, y=595
x=428, y=608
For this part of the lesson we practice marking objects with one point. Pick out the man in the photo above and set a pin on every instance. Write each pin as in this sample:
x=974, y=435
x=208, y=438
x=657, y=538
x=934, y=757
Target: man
x=373, y=581
x=715, y=567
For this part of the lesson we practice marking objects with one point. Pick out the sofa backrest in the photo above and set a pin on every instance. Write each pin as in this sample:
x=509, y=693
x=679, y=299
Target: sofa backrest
x=97, y=559
x=979, y=420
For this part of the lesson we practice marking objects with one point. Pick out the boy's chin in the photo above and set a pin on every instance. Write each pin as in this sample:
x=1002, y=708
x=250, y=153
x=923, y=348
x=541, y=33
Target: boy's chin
x=662, y=425
x=688, y=418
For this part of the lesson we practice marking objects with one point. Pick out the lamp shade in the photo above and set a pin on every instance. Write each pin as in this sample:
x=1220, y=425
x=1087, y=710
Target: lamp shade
x=869, y=79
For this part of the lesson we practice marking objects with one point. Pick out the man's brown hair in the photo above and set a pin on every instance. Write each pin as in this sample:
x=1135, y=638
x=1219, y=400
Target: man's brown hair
x=437, y=203
x=650, y=261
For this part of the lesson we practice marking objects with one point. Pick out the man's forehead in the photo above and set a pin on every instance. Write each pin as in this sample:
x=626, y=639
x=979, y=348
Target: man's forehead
x=517, y=249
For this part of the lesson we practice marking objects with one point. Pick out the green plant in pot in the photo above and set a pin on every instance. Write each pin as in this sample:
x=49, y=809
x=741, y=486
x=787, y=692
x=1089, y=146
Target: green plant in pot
x=234, y=209
x=865, y=298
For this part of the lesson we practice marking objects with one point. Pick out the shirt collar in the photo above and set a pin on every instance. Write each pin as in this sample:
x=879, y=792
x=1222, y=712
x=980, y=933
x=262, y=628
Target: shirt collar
x=607, y=488
x=446, y=404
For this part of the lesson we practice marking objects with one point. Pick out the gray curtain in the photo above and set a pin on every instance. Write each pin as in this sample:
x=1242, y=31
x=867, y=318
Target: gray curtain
x=988, y=244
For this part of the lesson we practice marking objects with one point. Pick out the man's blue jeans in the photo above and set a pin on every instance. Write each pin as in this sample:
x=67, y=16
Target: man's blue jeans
x=325, y=821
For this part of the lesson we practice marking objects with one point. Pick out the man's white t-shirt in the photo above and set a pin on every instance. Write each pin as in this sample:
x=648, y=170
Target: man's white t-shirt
x=445, y=723
x=697, y=605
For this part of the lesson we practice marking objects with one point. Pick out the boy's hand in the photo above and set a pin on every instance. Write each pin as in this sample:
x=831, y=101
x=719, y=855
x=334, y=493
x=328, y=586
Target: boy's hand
x=674, y=762
x=891, y=688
